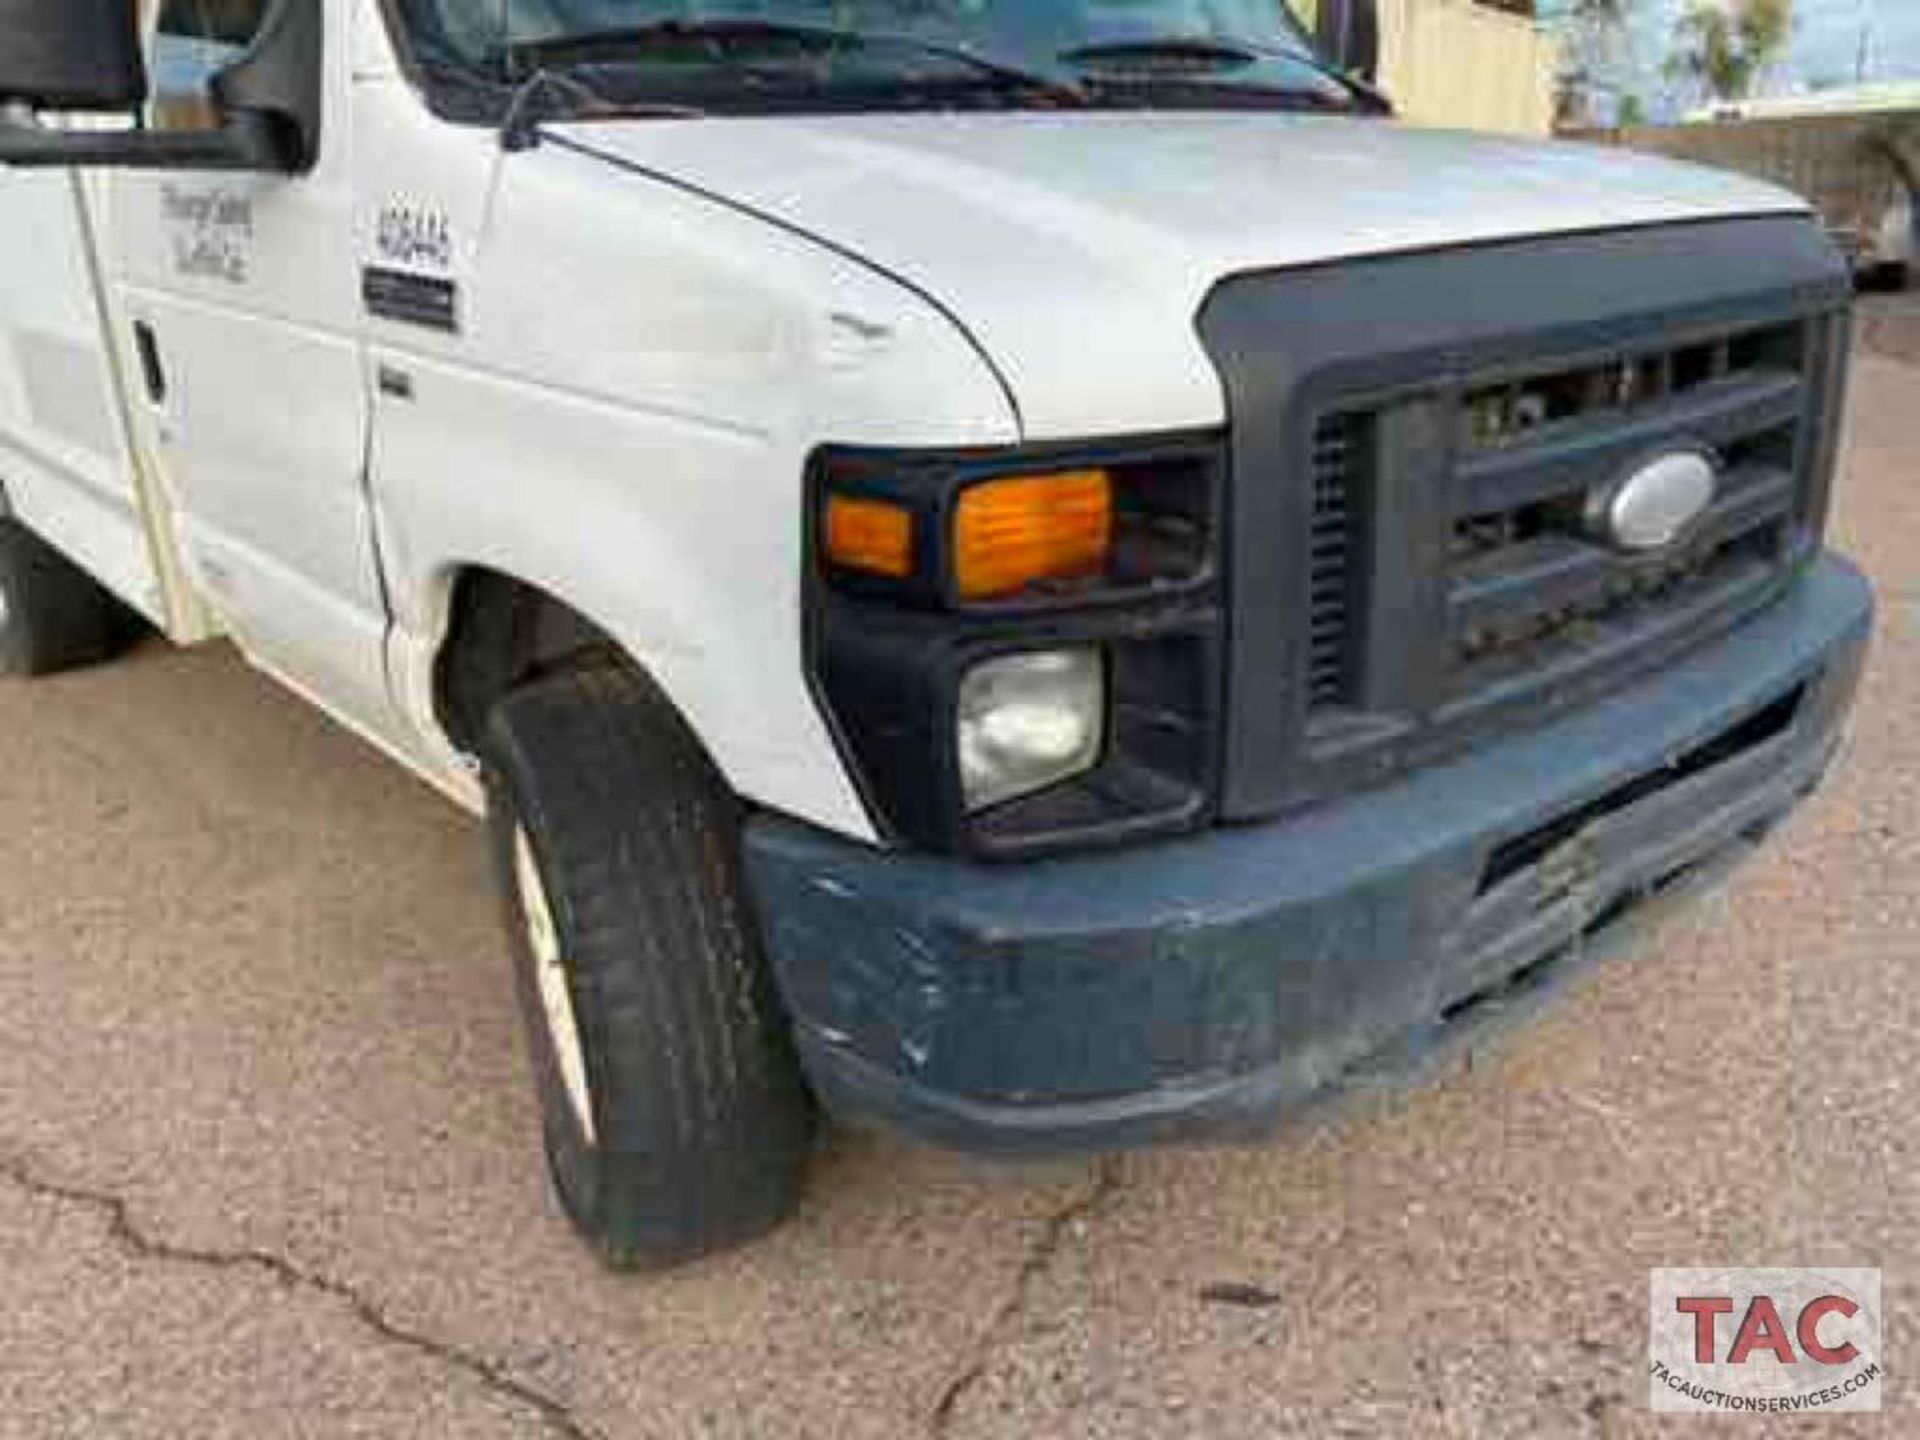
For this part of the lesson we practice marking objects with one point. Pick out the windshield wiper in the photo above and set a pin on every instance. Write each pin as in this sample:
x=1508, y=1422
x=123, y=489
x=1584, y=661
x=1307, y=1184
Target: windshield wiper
x=730, y=34
x=1160, y=57
x=1182, y=50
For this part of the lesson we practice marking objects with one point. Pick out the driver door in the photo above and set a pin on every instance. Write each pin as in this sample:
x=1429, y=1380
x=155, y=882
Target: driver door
x=241, y=293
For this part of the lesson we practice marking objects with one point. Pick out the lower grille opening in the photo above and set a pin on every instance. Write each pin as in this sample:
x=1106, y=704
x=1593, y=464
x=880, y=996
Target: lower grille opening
x=1528, y=850
x=1538, y=971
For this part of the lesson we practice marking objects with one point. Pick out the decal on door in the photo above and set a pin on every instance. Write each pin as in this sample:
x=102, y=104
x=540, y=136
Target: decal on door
x=423, y=300
x=209, y=231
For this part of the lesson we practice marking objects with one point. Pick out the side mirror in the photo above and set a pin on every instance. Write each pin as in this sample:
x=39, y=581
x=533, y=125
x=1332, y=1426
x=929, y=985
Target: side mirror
x=1349, y=32
x=84, y=55
x=71, y=55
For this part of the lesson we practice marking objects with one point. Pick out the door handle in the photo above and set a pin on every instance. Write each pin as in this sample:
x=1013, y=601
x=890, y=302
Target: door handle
x=151, y=370
x=394, y=382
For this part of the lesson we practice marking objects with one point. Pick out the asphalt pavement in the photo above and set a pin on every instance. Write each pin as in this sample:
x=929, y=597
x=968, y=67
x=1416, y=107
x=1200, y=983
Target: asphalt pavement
x=268, y=1163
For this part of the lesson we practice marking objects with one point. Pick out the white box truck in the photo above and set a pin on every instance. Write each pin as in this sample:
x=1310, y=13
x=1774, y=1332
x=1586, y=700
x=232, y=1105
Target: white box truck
x=1037, y=570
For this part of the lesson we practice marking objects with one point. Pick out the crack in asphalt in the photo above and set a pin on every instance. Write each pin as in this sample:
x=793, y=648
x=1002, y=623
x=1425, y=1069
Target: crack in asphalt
x=123, y=1231
x=1039, y=1258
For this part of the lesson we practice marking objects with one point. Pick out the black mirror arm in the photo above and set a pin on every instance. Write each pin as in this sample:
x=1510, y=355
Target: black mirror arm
x=245, y=142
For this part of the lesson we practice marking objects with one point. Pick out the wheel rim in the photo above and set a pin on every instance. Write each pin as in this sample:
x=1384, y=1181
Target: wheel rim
x=550, y=977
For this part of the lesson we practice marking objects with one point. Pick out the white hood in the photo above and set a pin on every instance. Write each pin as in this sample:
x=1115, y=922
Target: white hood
x=1077, y=248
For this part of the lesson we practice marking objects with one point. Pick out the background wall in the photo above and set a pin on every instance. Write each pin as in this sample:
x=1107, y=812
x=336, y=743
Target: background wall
x=1455, y=63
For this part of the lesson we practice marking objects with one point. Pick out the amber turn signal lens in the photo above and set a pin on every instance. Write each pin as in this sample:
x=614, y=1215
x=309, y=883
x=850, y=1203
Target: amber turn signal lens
x=870, y=535
x=1008, y=534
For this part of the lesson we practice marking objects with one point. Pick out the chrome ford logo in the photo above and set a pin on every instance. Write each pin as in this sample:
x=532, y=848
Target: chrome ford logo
x=1656, y=504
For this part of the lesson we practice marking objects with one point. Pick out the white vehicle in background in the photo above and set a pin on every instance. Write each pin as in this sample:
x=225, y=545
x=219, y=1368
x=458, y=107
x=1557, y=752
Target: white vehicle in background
x=1890, y=97
x=1035, y=569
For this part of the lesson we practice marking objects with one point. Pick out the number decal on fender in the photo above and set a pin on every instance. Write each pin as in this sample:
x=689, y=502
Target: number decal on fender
x=415, y=236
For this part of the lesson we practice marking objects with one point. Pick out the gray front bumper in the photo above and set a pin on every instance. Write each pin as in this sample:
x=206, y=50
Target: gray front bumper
x=1209, y=984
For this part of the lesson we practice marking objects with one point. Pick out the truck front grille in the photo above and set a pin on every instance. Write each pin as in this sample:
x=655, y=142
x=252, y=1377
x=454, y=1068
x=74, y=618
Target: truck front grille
x=1525, y=580
x=1416, y=443
x=1501, y=467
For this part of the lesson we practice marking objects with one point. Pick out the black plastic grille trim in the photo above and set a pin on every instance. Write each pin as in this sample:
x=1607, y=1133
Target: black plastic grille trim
x=1338, y=454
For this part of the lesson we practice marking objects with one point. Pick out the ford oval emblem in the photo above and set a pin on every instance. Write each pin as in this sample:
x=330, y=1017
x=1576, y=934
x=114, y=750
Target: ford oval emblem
x=1657, y=503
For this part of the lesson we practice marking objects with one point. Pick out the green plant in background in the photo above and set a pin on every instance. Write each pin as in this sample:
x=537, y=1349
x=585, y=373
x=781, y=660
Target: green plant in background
x=1595, y=41
x=1724, y=46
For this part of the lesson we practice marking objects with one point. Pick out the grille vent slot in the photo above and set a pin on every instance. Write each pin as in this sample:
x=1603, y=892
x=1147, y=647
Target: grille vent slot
x=1339, y=461
x=1518, y=410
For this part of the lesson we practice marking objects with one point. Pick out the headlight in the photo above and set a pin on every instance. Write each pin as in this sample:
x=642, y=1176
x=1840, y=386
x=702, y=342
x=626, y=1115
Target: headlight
x=1018, y=648
x=1029, y=721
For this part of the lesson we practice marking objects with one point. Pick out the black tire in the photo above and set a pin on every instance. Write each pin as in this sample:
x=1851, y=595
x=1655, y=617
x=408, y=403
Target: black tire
x=702, y=1125
x=53, y=615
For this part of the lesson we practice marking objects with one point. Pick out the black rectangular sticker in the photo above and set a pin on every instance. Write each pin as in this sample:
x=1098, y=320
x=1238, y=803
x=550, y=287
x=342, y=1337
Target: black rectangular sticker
x=411, y=299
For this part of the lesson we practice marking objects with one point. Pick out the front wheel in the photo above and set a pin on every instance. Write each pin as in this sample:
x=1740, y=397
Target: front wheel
x=676, y=1121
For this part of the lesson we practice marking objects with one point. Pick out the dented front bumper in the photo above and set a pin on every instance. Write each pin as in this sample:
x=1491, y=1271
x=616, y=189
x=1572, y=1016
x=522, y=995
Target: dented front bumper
x=1210, y=984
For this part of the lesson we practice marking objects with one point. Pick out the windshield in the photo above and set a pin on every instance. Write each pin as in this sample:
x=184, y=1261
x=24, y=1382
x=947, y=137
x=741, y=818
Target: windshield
x=731, y=56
